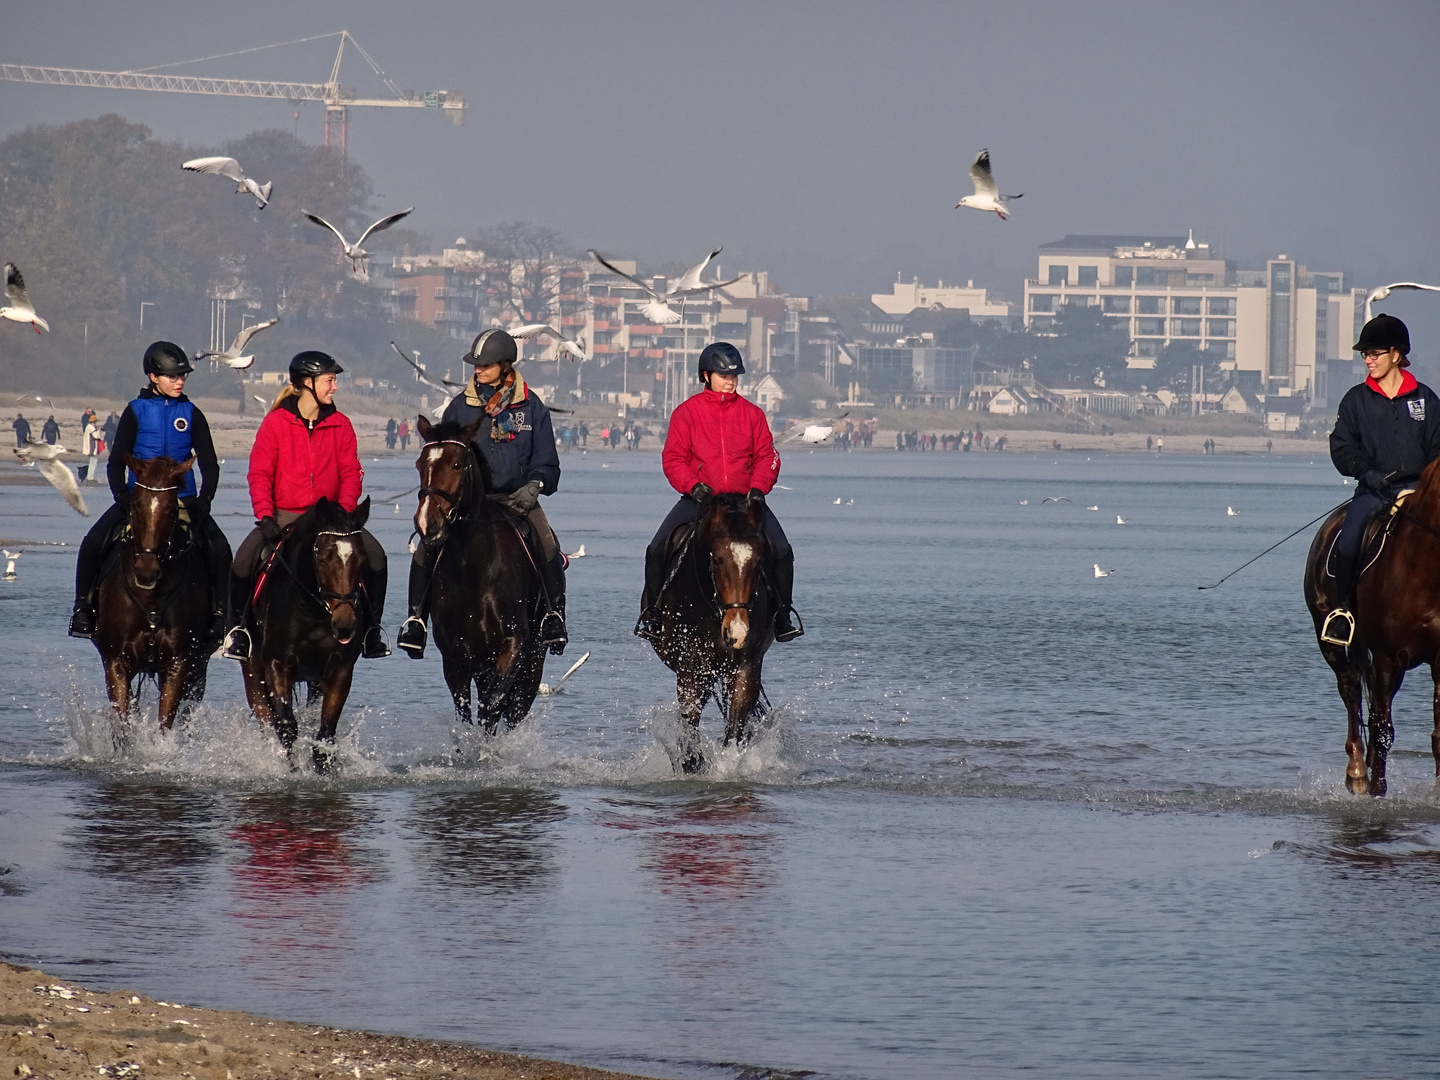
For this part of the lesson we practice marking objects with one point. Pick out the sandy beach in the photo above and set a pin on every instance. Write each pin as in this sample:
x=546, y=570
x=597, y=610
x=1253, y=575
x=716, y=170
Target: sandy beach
x=55, y=1028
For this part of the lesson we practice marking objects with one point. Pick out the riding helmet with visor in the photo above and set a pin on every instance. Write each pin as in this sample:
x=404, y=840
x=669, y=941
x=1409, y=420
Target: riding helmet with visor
x=493, y=346
x=167, y=358
x=721, y=358
x=310, y=364
x=1384, y=332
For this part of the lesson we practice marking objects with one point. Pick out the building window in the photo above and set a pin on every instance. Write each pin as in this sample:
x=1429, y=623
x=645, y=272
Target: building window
x=1124, y=275
x=1042, y=301
x=1147, y=275
x=1150, y=305
x=1117, y=305
x=1199, y=279
x=1154, y=327
x=1079, y=301
x=1059, y=275
x=1221, y=328
x=1184, y=327
x=1147, y=348
x=1222, y=305
x=1089, y=275
x=1185, y=305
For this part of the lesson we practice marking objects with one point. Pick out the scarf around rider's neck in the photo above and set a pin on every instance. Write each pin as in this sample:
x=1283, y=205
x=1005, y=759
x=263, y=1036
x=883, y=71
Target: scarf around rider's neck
x=503, y=423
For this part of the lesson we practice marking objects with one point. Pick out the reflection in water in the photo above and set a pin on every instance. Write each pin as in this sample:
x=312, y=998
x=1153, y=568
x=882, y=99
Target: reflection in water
x=299, y=864
x=495, y=840
x=160, y=836
x=1378, y=849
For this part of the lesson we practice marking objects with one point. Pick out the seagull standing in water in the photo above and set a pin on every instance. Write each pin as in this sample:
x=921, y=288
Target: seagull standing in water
x=987, y=195
x=10, y=557
x=17, y=303
x=1119, y=520
x=355, y=252
x=1102, y=573
x=1230, y=511
x=232, y=356
x=228, y=166
x=658, y=307
x=46, y=458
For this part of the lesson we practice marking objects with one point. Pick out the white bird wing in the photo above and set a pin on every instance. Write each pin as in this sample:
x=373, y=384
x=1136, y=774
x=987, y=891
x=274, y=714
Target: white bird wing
x=573, y=668
x=243, y=337
x=616, y=270
x=691, y=278
x=383, y=223
x=658, y=311
x=260, y=399
x=56, y=472
x=529, y=330
x=15, y=289
x=444, y=385
x=573, y=348
x=318, y=220
x=221, y=166
x=981, y=176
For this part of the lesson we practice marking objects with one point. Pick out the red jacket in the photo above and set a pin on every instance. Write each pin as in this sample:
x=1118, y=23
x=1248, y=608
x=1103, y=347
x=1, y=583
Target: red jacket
x=292, y=467
x=721, y=440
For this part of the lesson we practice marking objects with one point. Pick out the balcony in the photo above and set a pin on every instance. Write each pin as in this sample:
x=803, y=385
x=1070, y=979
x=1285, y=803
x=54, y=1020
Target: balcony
x=646, y=329
x=457, y=317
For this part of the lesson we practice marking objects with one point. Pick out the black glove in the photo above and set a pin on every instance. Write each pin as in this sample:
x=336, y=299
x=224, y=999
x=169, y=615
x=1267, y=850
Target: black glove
x=755, y=498
x=270, y=529
x=197, y=506
x=1375, y=480
x=122, y=498
x=701, y=491
x=525, y=499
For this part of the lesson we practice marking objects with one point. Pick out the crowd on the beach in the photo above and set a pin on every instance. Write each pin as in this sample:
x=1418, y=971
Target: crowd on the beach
x=961, y=442
x=94, y=437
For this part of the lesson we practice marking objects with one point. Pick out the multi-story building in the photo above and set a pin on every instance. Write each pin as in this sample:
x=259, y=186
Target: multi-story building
x=445, y=292
x=1279, y=329
x=906, y=296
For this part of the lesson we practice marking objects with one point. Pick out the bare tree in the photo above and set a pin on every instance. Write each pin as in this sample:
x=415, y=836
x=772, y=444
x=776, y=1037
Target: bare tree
x=523, y=265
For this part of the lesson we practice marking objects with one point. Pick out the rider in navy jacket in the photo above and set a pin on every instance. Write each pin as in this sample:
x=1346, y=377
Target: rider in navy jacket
x=1387, y=432
x=161, y=421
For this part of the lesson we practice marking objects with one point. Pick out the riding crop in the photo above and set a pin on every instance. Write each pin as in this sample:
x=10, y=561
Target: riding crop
x=1273, y=546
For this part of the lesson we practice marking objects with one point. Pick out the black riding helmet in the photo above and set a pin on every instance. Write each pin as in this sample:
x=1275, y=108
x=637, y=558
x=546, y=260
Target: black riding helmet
x=311, y=363
x=1384, y=332
x=493, y=346
x=721, y=358
x=167, y=358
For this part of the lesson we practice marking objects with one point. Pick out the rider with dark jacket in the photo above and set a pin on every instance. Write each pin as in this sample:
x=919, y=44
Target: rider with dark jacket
x=517, y=441
x=304, y=451
x=1387, y=431
x=719, y=442
x=160, y=422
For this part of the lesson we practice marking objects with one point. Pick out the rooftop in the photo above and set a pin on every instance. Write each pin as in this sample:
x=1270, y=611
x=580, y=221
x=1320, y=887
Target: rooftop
x=1107, y=244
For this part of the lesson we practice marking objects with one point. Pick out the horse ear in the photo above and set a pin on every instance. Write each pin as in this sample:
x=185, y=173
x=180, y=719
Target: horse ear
x=471, y=428
x=181, y=468
x=132, y=463
x=362, y=513
x=425, y=427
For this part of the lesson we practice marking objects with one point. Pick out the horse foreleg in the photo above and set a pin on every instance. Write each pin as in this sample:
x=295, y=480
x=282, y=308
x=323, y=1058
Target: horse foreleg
x=282, y=688
x=744, y=704
x=458, y=679
x=172, y=691
x=117, y=685
x=693, y=690
x=335, y=692
x=1351, y=693
x=1435, y=733
x=1384, y=685
x=495, y=685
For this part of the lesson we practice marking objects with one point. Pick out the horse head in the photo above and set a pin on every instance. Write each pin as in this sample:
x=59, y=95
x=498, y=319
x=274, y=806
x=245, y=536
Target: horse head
x=154, y=509
x=339, y=563
x=450, y=477
x=731, y=531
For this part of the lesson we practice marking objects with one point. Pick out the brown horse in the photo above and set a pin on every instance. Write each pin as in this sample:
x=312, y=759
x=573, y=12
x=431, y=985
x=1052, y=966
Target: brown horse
x=309, y=625
x=1397, y=624
x=153, y=602
x=484, y=596
x=718, y=619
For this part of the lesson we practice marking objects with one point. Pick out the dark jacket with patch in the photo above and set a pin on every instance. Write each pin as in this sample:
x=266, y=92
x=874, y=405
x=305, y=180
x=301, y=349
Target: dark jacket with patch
x=531, y=455
x=1395, y=437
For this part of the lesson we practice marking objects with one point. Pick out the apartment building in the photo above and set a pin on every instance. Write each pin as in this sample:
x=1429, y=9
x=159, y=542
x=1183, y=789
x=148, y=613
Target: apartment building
x=1279, y=329
x=445, y=292
x=906, y=296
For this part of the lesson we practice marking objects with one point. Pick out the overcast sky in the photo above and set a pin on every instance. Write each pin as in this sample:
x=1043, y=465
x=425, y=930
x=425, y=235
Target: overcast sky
x=829, y=142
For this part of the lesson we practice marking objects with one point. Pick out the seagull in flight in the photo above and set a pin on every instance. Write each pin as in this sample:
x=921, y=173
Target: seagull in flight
x=658, y=307
x=1092, y=507
x=987, y=195
x=17, y=304
x=1051, y=498
x=232, y=356
x=816, y=433
x=228, y=166
x=445, y=386
x=46, y=458
x=355, y=252
x=569, y=347
x=1102, y=573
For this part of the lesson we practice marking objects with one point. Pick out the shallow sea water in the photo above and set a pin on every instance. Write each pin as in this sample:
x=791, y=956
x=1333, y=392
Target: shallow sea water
x=1004, y=818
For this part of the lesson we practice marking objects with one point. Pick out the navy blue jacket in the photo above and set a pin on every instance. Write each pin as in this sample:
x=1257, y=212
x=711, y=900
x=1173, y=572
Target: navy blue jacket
x=514, y=463
x=1391, y=437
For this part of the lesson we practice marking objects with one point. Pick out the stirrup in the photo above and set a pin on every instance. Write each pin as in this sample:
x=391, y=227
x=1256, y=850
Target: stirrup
x=792, y=632
x=375, y=646
x=649, y=626
x=82, y=621
x=552, y=632
x=1341, y=634
x=411, y=637
x=237, y=644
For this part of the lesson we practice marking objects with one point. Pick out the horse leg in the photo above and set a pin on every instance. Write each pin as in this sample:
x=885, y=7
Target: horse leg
x=282, y=687
x=336, y=691
x=457, y=677
x=172, y=689
x=493, y=684
x=693, y=689
x=744, y=703
x=524, y=687
x=117, y=685
x=1435, y=734
x=1348, y=681
x=1385, y=684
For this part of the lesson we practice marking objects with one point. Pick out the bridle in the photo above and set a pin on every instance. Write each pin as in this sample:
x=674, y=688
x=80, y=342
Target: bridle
x=328, y=595
x=156, y=552
x=453, y=500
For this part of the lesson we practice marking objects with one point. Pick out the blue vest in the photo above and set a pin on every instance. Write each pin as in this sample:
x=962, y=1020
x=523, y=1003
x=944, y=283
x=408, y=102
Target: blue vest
x=163, y=430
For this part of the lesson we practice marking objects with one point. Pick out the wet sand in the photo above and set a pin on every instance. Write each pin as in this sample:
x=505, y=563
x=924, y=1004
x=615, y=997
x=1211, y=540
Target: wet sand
x=51, y=1027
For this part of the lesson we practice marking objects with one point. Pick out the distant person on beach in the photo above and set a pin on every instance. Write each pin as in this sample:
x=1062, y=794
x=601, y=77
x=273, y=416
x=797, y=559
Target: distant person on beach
x=112, y=425
x=51, y=431
x=91, y=440
x=390, y=433
x=403, y=432
x=1160, y=445
x=22, y=429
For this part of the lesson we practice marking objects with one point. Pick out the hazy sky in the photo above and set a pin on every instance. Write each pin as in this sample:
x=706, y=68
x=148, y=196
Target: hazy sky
x=829, y=142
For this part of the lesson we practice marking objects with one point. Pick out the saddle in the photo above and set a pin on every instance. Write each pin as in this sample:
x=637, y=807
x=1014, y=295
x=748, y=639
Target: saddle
x=1372, y=540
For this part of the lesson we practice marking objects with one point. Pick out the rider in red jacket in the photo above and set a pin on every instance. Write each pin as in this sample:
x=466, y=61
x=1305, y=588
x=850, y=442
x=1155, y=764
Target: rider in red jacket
x=304, y=451
x=719, y=442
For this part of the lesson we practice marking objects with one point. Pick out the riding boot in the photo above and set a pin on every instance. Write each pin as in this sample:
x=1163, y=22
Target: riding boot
x=411, y=637
x=785, y=629
x=217, y=569
x=375, y=646
x=237, y=602
x=552, y=627
x=1339, y=625
x=650, y=622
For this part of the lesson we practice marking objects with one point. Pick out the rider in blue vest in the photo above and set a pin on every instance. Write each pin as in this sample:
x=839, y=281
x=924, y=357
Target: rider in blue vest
x=161, y=421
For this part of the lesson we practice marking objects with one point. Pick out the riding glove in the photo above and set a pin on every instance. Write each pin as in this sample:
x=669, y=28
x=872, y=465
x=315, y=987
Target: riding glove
x=755, y=498
x=525, y=499
x=197, y=506
x=270, y=529
x=701, y=491
x=1375, y=480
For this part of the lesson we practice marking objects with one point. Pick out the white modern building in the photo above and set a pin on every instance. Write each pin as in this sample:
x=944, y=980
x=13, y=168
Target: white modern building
x=1279, y=329
x=906, y=296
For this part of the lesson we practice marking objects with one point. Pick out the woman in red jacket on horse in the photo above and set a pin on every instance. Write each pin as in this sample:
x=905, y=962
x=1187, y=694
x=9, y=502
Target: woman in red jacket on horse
x=718, y=441
x=304, y=451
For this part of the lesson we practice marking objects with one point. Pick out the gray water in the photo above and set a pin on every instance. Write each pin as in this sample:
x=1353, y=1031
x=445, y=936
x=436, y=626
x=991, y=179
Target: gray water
x=1004, y=818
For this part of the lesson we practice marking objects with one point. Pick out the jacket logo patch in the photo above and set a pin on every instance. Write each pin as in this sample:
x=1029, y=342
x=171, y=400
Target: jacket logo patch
x=181, y=424
x=1417, y=409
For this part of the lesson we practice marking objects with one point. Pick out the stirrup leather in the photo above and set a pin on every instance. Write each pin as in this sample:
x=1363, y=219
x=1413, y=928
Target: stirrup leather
x=1344, y=633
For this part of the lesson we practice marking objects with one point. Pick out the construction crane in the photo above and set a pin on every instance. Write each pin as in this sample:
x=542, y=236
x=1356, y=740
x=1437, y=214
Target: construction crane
x=338, y=99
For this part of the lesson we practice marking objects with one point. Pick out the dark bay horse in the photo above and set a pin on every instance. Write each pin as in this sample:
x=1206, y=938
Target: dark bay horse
x=718, y=619
x=309, y=626
x=484, y=597
x=1397, y=625
x=153, y=602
